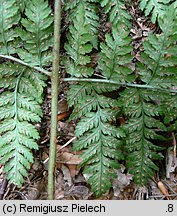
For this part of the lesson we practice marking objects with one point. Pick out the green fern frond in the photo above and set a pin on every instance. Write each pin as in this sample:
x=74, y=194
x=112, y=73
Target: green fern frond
x=117, y=12
x=142, y=107
x=37, y=38
x=116, y=55
x=143, y=126
x=170, y=112
x=158, y=61
x=77, y=92
x=100, y=140
x=9, y=17
x=90, y=14
x=156, y=7
x=79, y=46
x=18, y=135
x=22, y=87
x=22, y=4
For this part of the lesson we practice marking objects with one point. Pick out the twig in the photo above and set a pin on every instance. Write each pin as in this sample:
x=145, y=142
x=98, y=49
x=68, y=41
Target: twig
x=67, y=143
x=26, y=64
x=174, y=148
x=170, y=188
x=63, y=146
x=54, y=93
x=163, y=196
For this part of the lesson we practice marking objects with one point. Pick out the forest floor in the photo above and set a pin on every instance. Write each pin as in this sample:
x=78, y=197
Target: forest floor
x=70, y=182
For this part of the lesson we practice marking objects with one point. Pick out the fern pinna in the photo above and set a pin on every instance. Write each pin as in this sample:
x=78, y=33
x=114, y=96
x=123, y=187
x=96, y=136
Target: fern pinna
x=90, y=15
x=96, y=134
x=22, y=86
x=142, y=107
x=156, y=7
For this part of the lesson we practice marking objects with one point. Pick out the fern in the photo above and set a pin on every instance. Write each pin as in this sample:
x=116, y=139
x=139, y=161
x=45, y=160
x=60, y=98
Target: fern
x=38, y=35
x=100, y=140
x=115, y=55
x=23, y=87
x=9, y=17
x=117, y=12
x=142, y=127
x=22, y=4
x=142, y=107
x=90, y=15
x=79, y=46
x=97, y=137
x=158, y=61
x=156, y=7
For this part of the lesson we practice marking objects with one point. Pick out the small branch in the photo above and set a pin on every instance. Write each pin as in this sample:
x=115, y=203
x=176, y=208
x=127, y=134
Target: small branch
x=67, y=143
x=116, y=83
x=54, y=93
x=3, y=187
x=46, y=72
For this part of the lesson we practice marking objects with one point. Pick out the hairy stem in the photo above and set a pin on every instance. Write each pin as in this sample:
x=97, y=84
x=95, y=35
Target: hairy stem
x=54, y=106
x=26, y=64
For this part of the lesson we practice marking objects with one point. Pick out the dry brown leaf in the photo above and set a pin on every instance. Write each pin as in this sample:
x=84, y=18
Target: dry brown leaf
x=68, y=158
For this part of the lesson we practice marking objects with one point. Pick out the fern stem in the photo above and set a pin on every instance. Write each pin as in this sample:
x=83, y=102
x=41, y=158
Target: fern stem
x=26, y=64
x=54, y=105
x=134, y=85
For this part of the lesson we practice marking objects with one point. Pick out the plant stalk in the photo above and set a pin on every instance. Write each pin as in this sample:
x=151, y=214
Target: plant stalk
x=134, y=85
x=54, y=93
x=26, y=64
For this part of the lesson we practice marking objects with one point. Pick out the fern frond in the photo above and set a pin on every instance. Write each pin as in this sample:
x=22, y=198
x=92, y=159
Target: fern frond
x=116, y=55
x=100, y=140
x=79, y=46
x=37, y=37
x=22, y=4
x=77, y=92
x=143, y=126
x=170, y=112
x=158, y=61
x=9, y=17
x=156, y=7
x=117, y=12
x=91, y=16
x=17, y=111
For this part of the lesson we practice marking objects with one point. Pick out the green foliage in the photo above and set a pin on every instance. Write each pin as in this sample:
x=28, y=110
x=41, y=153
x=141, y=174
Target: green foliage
x=142, y=125
x=117, y=12
x=96, y=133
x=156, y=7
x=158, y=61
x=22, y=4
x=23, y=87
x=9, y=16
x=79, y=46
x=97, y=136
x=26, y=31
x=90, y=16
x=143, y=108
x=115, y=55
x=37, y=34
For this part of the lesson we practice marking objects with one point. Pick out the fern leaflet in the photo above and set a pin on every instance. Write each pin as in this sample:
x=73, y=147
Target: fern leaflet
x=156, y=7
x=22, y=87
x=9, y=16
x=90, y=14
x=79, y=46
x=117, y=12
x=100, y=140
